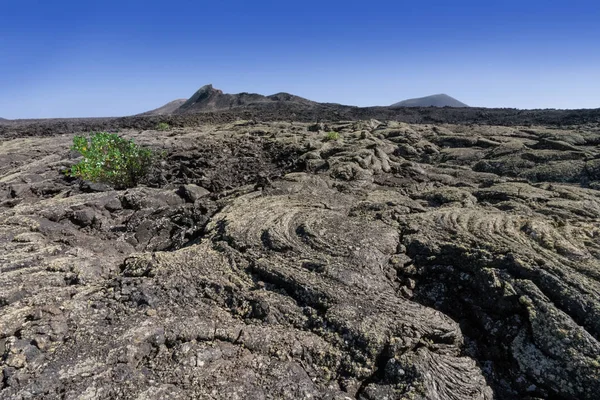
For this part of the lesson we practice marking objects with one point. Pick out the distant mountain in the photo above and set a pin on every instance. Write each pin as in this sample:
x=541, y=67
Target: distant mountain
x=282, y=96
x=436, y=100
x=208, y=98
x=167, y=108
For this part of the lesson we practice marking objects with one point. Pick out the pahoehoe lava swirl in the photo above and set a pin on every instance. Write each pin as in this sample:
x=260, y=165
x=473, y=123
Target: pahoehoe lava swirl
x=268, y=260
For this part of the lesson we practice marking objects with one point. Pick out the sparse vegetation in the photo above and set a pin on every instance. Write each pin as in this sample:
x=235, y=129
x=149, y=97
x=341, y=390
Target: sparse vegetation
x=332, y=136
x=163, y=126
x=109, y=158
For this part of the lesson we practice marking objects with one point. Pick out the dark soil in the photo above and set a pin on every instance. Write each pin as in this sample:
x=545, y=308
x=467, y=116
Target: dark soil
x=290, y=111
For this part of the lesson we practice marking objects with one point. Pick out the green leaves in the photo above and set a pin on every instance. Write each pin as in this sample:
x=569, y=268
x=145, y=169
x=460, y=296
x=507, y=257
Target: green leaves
x=163, y=126
x=108, y=158
x=331, y=136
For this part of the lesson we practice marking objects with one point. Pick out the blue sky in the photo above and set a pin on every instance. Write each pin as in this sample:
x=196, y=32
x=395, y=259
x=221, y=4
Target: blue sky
x=112, y=58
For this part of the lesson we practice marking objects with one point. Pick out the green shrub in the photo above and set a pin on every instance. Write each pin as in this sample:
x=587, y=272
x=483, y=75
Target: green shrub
x=163, y=126
x=108, y=158
x=332, y=136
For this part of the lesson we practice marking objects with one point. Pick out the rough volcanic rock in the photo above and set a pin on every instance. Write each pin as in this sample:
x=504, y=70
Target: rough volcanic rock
x=400, y=261
x=294, y=111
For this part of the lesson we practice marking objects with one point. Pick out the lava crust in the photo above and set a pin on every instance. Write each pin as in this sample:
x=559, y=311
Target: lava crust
x=264, y=261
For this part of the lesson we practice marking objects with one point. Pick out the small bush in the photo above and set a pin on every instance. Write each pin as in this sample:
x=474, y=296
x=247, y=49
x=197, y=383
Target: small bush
x=332, y=136
x=108, y=158
x=163, y=126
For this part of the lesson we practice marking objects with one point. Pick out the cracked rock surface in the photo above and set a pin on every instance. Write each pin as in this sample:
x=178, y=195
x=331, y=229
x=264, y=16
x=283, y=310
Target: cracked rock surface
x=263, y=261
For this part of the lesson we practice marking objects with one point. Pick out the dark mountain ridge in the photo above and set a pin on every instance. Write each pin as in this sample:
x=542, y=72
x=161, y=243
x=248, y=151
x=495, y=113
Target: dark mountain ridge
x=168, y=108
x=208, y=98
x=436, y=100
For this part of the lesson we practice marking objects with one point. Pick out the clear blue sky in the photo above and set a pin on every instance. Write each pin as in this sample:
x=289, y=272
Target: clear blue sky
x=112, y=58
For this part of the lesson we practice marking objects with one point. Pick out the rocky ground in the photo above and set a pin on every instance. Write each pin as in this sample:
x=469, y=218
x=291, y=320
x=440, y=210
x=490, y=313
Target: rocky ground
x=291, y=111
x=265, y=262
